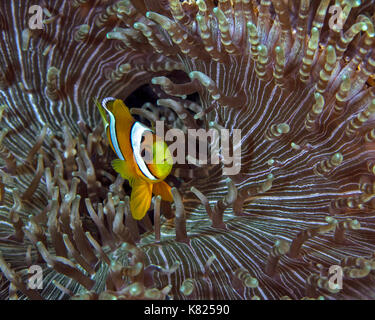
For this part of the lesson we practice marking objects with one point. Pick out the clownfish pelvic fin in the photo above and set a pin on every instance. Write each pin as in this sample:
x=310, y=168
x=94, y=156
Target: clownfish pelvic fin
x=140, y=199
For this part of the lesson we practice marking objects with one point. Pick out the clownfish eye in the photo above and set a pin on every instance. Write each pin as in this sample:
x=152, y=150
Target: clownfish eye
x=146, y=155
x=143, y=139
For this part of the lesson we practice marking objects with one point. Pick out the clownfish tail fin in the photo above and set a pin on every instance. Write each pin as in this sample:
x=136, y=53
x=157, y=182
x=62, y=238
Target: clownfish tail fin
x=101, y=111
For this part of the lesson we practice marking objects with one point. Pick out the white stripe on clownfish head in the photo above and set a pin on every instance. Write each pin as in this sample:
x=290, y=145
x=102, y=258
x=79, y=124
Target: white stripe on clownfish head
x=112, y=128
x=136, y=134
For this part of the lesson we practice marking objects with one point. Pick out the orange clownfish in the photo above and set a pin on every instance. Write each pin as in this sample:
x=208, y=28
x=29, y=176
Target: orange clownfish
x=144, y=158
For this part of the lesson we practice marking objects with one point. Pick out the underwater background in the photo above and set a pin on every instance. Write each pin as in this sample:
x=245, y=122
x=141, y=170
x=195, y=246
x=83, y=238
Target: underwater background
x=296, y=77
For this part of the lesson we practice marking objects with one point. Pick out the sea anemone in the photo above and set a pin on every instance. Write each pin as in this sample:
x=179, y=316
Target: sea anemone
x=296, y=77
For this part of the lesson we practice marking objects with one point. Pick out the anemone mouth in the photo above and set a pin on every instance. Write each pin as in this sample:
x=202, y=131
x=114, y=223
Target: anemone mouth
x=297, y=86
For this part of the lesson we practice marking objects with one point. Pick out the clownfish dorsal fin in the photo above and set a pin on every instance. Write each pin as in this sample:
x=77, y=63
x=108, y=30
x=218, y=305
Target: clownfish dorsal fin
x=140, y=199
x=118, y=121
x=162, y=189
x=121, y=112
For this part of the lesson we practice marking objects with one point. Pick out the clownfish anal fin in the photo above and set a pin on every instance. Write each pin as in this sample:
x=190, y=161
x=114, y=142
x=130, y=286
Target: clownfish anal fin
x=164, y=190
x=140, y=199
x=122, y=167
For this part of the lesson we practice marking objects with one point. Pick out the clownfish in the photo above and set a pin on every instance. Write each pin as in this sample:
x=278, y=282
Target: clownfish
x=134, y=143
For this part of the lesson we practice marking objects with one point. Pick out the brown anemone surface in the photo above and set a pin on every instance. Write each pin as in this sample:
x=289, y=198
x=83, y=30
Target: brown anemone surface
x=296, y=77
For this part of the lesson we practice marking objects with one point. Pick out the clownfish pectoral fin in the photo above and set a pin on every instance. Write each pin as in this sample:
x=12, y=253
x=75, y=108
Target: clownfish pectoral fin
x=122, y=167
x=101, y=111
x=140, y=199
x=164, y=190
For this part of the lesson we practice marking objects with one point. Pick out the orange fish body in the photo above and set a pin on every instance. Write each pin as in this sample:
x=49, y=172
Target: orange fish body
x=133, y=142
